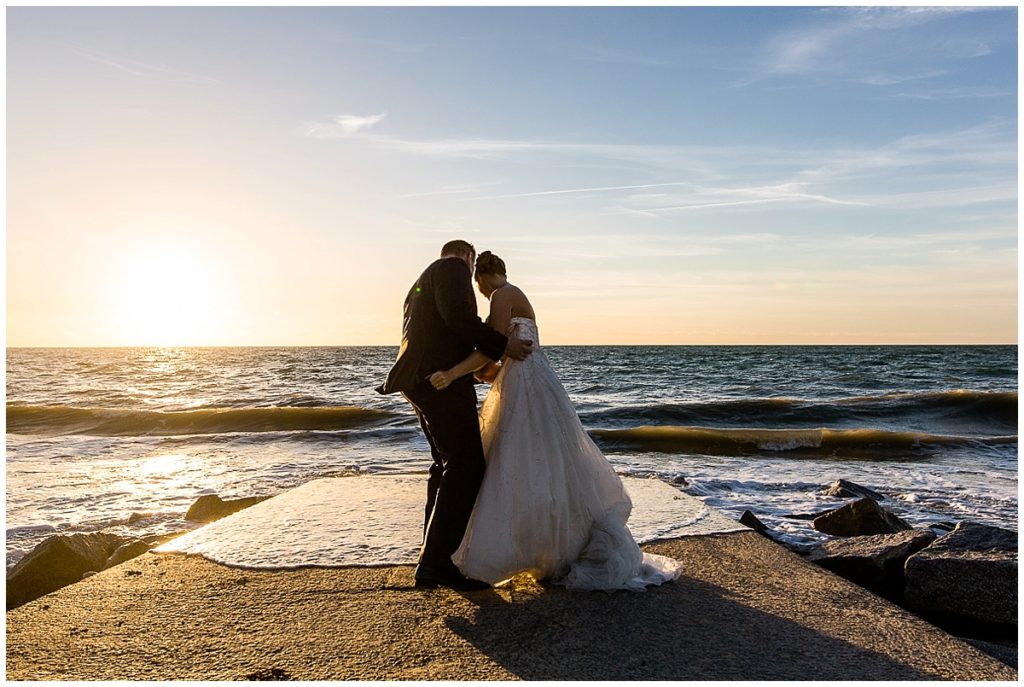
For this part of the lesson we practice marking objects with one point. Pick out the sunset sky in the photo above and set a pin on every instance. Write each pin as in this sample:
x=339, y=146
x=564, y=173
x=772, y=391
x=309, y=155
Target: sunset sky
x=277, y=176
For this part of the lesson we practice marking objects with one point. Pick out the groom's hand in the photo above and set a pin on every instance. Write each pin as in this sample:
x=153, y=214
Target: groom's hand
x=441, y=380
x=518, y=349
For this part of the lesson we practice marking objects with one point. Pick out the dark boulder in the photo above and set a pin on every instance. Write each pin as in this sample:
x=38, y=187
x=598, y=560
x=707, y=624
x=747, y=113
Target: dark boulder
x=859, y=518
x=874, y=562
x=212, y=507
x=754, y=523
x=970, y=573
x=805, y=516
x=130, y=549
x=57, y=562
x=846, y=489
x=751, y=521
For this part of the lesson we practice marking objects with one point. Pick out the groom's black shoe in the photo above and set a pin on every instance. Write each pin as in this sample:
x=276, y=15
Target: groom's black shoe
x=431, y=578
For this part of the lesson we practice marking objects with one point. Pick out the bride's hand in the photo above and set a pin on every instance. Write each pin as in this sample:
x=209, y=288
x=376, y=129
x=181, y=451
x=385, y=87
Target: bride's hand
x=488, y=373
x=441, y=380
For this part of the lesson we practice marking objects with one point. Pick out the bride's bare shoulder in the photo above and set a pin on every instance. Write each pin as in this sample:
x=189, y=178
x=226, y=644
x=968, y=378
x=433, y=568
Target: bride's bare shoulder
x=517, y=301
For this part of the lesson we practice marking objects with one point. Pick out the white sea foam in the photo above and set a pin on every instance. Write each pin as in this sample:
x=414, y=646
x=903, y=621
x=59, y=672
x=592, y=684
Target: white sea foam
x=378, y=520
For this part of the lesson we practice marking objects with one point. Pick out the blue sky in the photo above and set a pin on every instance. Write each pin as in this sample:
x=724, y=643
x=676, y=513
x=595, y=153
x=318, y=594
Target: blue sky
x=656, y=175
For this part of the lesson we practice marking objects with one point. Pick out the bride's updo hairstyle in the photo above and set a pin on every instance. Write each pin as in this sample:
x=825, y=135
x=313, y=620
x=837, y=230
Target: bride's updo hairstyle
x=489, y=263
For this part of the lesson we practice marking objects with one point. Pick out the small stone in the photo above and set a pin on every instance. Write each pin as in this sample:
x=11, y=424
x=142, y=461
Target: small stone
x=212, y=507
x=846, y=489
x=138, y=517
x=269, y=674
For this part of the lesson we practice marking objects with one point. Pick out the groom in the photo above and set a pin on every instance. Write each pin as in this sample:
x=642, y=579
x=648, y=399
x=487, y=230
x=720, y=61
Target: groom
x=439, y=329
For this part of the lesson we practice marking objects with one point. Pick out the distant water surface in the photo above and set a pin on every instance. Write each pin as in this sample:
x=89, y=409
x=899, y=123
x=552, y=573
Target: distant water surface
x=97, y=435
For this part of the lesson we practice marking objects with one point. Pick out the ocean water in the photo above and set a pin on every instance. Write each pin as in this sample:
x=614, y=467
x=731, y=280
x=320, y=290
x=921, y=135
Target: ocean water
x=126, y=439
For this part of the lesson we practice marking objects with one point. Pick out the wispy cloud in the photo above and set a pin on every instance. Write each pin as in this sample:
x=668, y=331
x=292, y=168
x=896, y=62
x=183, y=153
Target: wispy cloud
x=455, y=190
x=969, y=165
x=962, y=93
x=576, y=191
x=882, y=79
x=735, y=197
x=852, y=43
x=139, y=69
x=342, y=126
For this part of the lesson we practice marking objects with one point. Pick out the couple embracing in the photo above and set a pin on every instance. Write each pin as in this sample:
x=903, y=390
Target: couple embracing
x=521, y=487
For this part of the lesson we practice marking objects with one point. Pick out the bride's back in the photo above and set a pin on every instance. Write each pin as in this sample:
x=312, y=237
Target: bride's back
x=508, y=302
x=514, y=301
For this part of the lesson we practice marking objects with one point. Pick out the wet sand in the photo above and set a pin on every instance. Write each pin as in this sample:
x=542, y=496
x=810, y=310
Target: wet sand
x=745, y=608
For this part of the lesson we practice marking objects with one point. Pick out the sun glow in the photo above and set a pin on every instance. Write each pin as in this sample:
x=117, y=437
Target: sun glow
x=165, y=293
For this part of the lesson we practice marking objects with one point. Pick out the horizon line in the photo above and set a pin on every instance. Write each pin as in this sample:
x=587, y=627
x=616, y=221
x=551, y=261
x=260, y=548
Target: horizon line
x=561, y=345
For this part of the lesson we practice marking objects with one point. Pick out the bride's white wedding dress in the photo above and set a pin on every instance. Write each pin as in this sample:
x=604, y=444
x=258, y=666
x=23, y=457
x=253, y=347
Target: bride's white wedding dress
x=550, y=504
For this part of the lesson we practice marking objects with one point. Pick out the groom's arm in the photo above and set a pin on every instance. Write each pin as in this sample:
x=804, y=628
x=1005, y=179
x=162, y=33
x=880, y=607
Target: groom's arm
x=453, y=296
x=443, y=378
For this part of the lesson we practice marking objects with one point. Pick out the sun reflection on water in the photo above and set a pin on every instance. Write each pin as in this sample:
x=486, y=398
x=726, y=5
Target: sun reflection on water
x=163, y=465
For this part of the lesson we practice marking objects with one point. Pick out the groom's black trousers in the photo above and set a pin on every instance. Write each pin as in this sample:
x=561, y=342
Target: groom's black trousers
x=450, y=422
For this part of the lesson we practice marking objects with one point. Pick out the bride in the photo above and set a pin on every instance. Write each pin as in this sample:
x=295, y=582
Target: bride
x=550, y=504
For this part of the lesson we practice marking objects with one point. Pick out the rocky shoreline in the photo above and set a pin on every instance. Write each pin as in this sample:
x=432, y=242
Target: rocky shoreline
x=63, y=559
x=963, y=580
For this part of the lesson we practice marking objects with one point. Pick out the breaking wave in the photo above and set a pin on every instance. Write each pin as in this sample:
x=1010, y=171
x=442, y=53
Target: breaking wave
x=871, y=444
x=31, y=419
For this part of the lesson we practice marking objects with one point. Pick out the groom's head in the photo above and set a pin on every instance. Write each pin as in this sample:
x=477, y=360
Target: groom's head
x=460, y=249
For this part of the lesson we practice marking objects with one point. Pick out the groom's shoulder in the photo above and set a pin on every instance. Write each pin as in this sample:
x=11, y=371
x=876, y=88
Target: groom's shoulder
x=446, y=267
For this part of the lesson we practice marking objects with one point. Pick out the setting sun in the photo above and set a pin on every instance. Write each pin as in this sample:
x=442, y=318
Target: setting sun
x=165, y=293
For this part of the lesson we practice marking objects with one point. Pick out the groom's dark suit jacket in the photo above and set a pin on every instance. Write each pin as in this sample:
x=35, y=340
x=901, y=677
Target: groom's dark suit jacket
x=440, y=327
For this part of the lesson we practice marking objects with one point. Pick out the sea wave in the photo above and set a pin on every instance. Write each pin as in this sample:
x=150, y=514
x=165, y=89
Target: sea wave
x=872, y=444
x=45, y=420
x=964, y=408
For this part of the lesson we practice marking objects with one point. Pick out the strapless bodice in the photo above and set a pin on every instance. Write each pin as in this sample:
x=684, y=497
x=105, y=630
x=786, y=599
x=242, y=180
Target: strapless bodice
x=524, y=328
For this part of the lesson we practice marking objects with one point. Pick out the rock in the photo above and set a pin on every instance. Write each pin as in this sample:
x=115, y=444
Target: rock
x=874, y=562
x=970, y=573
x=751, y=521
x=155, y=540
x=211, y=507
x=944, y=526
x=268, y=674
x=845, y=489
x=861, y=517
x=138, y=517
x=57, y=562
x=127, y=551
x=805, y=516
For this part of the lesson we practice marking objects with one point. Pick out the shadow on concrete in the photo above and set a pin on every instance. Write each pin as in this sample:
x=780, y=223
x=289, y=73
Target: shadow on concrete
x=686, y=630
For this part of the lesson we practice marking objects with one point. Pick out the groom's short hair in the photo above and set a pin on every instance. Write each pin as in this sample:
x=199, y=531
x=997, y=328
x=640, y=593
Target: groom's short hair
x=458, y=247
